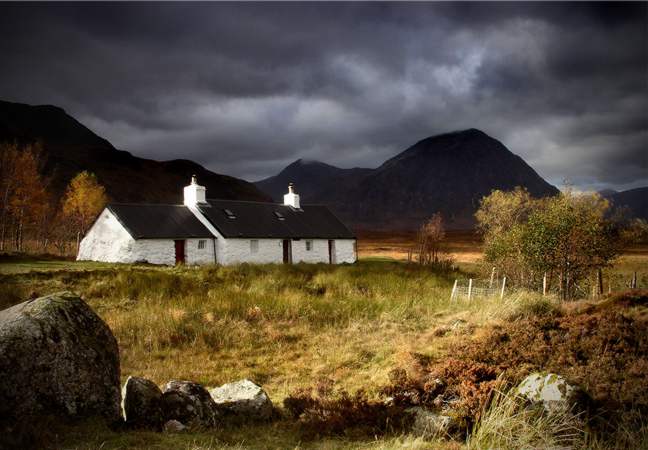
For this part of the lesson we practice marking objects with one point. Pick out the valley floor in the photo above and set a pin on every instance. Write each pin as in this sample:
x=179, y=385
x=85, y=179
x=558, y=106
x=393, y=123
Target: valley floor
x=285, y=327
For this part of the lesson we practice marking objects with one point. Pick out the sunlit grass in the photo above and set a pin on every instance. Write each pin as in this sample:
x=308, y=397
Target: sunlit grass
x=285, y=327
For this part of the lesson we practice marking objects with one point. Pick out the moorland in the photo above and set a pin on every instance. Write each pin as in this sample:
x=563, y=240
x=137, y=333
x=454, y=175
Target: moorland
x=343, y=336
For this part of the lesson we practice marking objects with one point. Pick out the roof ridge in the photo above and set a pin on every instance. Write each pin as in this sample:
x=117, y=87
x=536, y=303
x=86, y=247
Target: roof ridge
x=258, y=203
x=144, y=204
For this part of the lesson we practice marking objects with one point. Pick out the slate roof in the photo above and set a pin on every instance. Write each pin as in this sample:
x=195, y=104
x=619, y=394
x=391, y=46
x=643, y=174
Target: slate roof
x=260, y=220
x=148, y=221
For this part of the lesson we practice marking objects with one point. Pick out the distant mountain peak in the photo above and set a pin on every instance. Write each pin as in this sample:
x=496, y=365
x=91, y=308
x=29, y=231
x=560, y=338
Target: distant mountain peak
x=448, y=173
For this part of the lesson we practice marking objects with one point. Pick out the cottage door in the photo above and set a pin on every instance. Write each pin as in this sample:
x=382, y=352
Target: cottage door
x=287, y=251
x=180, y=252
x=331, y=246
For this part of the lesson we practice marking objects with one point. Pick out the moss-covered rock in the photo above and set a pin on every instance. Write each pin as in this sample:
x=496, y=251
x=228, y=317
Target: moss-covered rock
x=57, y=358
x=142, y=404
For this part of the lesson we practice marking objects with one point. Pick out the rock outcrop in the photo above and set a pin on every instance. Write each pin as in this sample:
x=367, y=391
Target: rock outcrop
x=57, y=357
x=244, y=400
x=190, y=404
x=142, y=403
x=553, y=392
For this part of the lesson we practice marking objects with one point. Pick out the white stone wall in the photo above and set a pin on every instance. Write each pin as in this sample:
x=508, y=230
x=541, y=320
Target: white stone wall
x=107, y=241
x=345, y=251
x=153, y=251
x=318, y=253
x=162, y=251
x=234, y=251
x=199, y=256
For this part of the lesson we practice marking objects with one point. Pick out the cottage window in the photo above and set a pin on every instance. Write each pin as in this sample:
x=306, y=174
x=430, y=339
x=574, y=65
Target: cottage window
x=201, y=244
x=254, y=246
x=309, y=246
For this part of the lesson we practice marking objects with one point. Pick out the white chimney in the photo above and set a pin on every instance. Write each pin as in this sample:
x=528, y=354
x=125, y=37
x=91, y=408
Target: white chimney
x=194, y=194
x=291, y=199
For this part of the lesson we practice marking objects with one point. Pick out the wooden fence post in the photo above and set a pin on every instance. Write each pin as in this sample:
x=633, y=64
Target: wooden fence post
x=469, y=288
x=503, y=287
x=490, y=285
x=633, y=284
x=454, y=290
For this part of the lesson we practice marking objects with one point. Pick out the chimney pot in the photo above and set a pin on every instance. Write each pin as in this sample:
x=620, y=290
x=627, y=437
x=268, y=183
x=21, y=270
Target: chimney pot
x=194, y=194
x=291, y=199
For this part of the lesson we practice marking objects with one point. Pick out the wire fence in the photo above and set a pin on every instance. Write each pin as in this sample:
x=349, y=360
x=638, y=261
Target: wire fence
x=472, y=289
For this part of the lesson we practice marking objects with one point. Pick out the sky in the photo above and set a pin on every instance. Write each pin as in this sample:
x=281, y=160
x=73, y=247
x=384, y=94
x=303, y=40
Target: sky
x=247, y=88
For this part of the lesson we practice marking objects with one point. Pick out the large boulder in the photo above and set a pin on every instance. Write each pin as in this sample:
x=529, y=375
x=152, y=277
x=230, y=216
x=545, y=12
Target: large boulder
x=142, y=403
x=190, y=404
x=553, y=392
x=244, y=400
x=57, y=358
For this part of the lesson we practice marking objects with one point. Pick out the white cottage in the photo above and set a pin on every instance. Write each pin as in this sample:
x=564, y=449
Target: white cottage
x=207, y=231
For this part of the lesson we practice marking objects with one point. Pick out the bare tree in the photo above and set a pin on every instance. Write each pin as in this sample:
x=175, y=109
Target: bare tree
x=429, y=239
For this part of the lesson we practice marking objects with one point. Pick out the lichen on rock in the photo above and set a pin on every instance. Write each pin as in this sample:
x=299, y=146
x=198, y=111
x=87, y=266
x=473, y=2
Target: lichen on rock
x=57, y=358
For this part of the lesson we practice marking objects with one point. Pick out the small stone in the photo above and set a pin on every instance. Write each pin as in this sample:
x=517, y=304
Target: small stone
x=243, y=399
x=189, y=403
x=428, y=424
x=174, y=426
x=142, y=403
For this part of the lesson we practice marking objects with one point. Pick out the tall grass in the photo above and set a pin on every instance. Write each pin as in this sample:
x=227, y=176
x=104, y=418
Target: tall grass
x=509, y=424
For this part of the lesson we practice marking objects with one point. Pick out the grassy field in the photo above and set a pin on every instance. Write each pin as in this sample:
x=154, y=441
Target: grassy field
x=285, y=327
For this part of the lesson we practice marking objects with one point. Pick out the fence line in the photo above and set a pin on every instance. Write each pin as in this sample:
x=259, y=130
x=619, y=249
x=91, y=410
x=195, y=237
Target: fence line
x=470, y=291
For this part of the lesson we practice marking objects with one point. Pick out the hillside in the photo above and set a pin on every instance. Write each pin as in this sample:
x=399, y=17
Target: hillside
x=69, y=147
x=636, y=200
x=449, y=173
x=313, y=179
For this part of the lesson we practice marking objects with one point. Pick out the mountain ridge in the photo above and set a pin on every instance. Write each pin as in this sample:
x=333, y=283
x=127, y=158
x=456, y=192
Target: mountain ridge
x=449, y=173
x=70, y=147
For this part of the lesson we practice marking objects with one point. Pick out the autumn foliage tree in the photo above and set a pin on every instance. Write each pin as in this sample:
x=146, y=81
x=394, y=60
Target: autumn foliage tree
x=83, y=201
x=568, y=237
x=23, y=194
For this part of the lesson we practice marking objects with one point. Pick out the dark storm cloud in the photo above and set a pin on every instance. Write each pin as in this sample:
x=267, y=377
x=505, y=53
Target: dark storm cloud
x=247, y=88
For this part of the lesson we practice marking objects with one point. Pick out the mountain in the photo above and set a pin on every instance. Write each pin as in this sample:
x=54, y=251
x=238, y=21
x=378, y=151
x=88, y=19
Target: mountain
x=636, y=200
x=608, y=193
x=69, y=148
x=311, y=178
x=448, y=173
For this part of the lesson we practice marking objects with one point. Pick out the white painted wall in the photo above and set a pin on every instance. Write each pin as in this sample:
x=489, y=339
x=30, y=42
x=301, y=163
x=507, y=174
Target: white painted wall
x=107, y=240
x=199, y=256
x=318, y=254
x=345, y=251
x=234, y=251
x=162, y=251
